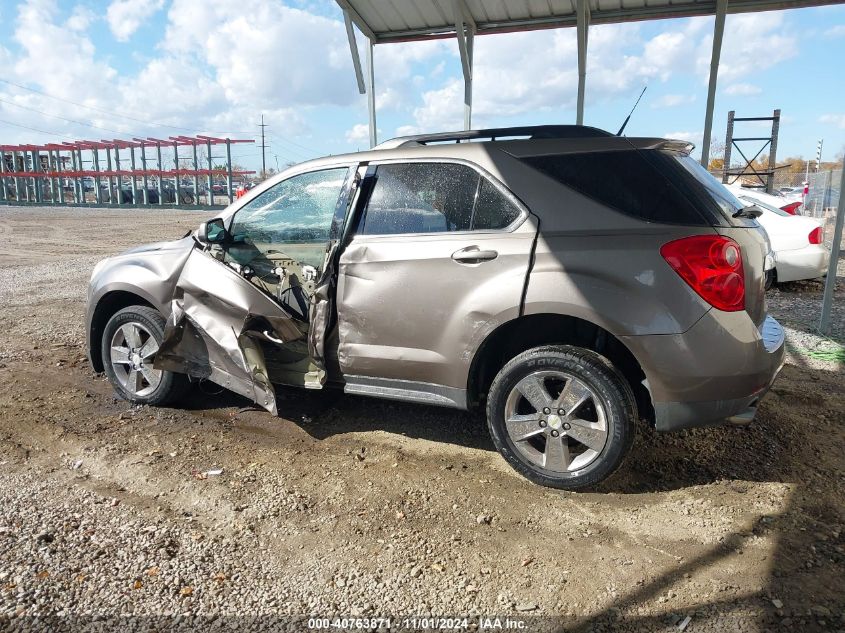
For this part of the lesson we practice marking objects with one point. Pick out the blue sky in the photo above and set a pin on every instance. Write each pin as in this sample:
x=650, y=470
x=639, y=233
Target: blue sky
x=168, y=67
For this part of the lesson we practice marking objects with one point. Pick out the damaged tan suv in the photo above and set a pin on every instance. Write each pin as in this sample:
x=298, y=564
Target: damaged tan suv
x=564, y=279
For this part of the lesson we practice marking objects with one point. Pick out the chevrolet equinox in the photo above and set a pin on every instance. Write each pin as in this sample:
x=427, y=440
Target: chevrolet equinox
x=567, y=281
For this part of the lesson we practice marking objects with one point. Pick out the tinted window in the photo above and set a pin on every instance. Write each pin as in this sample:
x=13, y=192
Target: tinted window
x=714, y=191
x=492, y=209
x=420, y=198
x=630, y=182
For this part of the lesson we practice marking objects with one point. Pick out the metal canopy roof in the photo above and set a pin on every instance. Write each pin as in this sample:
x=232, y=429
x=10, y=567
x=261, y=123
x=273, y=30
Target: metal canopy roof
x=385, y=21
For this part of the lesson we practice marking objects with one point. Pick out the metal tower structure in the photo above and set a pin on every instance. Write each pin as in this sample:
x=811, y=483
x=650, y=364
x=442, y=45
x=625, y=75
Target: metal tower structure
x=765, y=178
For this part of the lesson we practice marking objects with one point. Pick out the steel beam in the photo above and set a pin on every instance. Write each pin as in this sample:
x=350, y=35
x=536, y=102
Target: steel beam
x=466, y=37
x=3, y=171
x=134, y=182
x=196, y=180
x=119, y=178
x=177, y=184
x=98, y=194
x=773, y=150
x=583, y=29
x=60, y=167
x=371, y=95
x=835, y=247
x=718, y=31
x=145, y=183
x=18, y=179
x=160, y=184
x=210, y=179
x=229, y=170
x=353, y=50
x=109, y=178
x=36, y=182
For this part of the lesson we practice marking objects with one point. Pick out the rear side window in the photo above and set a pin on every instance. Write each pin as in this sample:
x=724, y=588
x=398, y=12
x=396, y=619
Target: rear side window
x=492, y=209
x=626, y=181
x=433, y=198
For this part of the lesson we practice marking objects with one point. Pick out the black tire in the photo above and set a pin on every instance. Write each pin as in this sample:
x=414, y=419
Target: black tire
x=599, y=375
x=171, y=385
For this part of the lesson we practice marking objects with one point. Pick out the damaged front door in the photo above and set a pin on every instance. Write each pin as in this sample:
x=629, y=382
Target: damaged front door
x=242, y=309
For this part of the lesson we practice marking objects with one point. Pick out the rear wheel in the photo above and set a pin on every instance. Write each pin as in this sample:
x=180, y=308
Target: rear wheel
x=130, y=342
x=562, y=416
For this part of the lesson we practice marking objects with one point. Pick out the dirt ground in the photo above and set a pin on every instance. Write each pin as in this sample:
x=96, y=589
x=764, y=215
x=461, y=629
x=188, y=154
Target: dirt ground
x=352, y=506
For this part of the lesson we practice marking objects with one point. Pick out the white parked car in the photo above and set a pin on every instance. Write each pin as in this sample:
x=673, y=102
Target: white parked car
x=779, y=199
x=797, y=241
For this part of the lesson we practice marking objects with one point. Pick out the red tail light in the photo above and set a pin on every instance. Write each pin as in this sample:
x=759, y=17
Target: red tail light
x=792, y=207
x=712, y=266
x=817, y=235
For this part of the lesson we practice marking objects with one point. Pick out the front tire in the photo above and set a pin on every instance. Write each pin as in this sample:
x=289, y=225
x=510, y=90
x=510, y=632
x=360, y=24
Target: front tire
x=562, y=416
x=130, y=341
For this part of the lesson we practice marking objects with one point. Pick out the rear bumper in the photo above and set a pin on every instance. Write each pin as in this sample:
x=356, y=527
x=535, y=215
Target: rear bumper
x=713, y=373
x=809, y=262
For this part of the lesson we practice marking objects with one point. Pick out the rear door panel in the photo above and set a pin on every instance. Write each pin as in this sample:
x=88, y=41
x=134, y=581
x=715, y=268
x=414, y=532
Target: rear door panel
x=408, y=311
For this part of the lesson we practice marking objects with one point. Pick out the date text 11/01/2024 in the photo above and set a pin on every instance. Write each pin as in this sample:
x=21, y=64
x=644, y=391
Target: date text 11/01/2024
x=418, y=624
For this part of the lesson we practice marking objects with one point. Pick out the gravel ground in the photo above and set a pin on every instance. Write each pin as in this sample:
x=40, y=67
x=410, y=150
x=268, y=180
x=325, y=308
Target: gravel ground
x=797, y=305
x=110, y=518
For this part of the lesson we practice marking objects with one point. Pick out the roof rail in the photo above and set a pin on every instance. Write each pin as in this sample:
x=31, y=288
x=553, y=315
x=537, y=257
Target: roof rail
x=530, y=131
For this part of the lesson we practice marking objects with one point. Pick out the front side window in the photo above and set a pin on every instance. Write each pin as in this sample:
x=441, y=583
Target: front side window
x=434, y=198
x=292, y=220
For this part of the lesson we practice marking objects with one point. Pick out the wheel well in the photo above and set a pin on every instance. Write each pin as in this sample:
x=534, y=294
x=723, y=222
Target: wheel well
x=526, y=332
x=108, y=305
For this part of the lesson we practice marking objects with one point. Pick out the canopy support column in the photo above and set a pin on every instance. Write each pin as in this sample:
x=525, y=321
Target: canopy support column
x=465, y=30
x=583, y=27
x=371, y=95
x=353, y=49
x=718, y=31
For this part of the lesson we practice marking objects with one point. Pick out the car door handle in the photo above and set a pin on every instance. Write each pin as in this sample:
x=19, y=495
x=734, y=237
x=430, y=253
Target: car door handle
x=471, y=255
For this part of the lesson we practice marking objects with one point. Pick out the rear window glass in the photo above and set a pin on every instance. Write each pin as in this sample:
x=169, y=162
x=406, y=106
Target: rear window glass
x=653, y=185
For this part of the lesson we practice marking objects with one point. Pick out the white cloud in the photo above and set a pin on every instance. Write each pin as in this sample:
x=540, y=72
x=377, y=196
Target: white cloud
x=359, y=132
x=672, y=101
x=835, y=31
x=522, y=73
x=752, y=43
x=61, y=60
x=126, y=16
x=742, y=90
x=692, y=137
x=265, y=54
x=81, y=18
x=833, y=119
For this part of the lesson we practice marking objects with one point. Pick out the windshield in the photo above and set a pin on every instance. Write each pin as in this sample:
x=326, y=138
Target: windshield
x=763, y=205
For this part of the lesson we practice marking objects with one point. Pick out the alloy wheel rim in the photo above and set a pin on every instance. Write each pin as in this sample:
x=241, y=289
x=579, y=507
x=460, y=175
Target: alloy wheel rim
x=132, y=352
x=556, y=421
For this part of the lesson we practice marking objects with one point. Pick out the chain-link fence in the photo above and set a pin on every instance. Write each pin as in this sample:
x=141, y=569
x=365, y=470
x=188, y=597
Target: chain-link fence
x=822, y=199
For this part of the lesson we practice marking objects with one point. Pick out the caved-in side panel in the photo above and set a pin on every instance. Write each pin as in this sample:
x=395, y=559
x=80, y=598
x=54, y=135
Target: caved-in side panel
x=211, y=330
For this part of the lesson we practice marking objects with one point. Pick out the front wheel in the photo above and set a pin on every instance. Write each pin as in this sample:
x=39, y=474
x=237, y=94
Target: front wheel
x=562, y=416
x=130, y=342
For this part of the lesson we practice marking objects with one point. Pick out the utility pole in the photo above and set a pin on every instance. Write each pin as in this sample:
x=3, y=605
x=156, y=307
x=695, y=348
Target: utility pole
x=263, y=147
